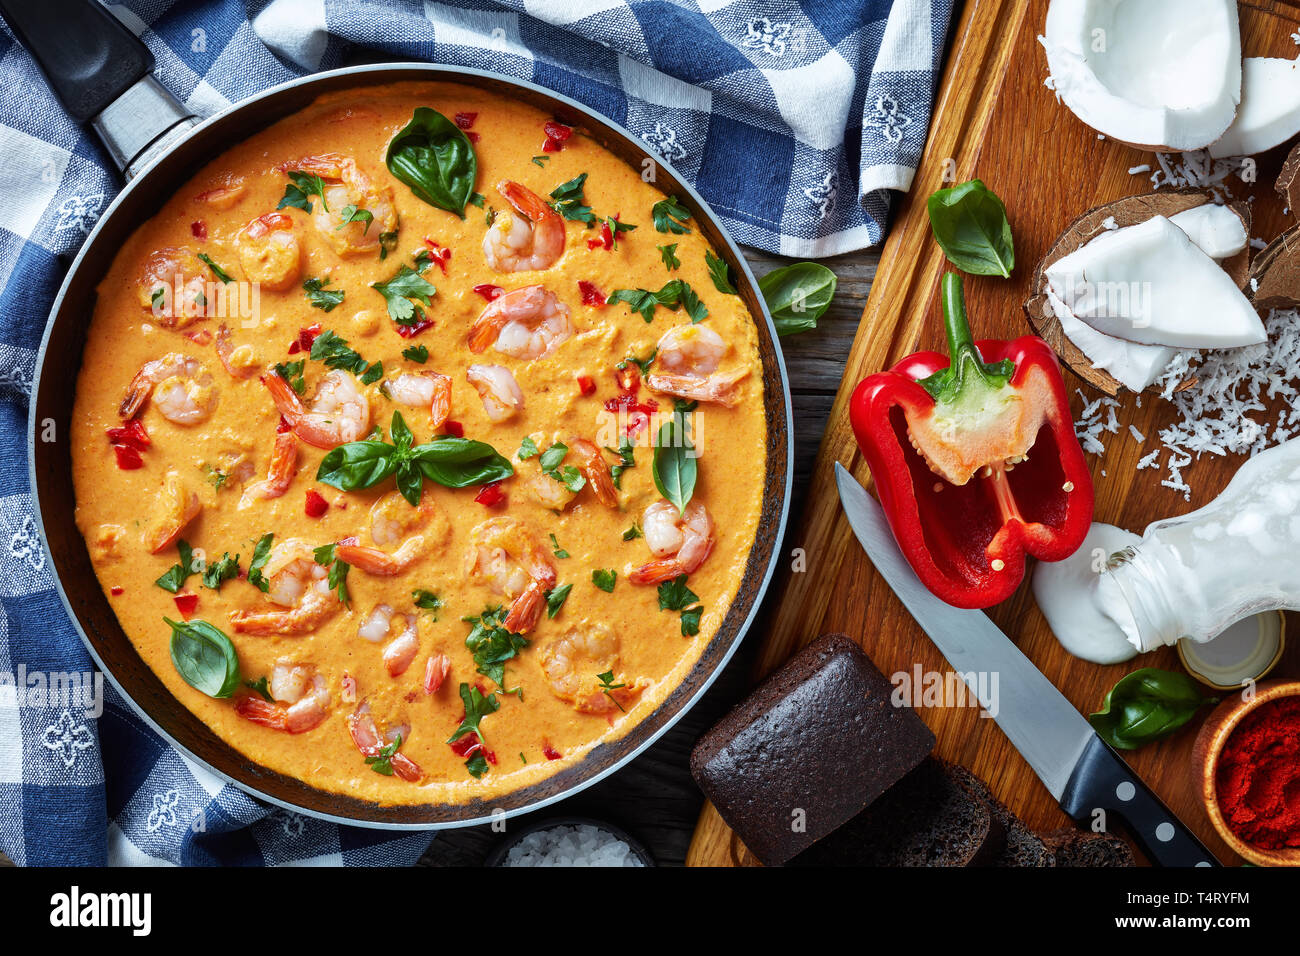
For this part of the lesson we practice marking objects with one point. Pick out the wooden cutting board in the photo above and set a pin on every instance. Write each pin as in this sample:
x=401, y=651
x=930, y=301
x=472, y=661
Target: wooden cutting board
x=995, y=120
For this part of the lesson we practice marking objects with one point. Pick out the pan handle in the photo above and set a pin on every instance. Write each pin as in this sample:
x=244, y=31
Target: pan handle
x=101, y=73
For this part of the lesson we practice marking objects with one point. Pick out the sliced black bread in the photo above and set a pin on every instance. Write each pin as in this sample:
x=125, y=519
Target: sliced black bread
x=1072, y=847
x=1020, y=846
x=929, y=818
x=815, y=743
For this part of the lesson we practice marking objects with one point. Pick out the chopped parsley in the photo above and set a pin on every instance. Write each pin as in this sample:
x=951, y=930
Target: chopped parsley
x=569, y=476
x=492, y=646
x=174, y=579
x=350, y=213
x=626, y=452
x=541, y=161
x=668, y=253
x=398, y=292
x=675, y=294
x=260, y=686
x=217, y=271
x=570, y=203
x=674, y=595
x=387, y=243
x=338, y=575
x=321, y=297
x=670, y=216
x=158, y=298
x=477, y=706
x=333, y=350
x=216, y=477
x=382, y=762
x=557, y=550
x=607, y=684
x=218, y=572
x=527, y=448
x=720, y=273
x=616, y=227
x=416, y=353
x=260, y=554
x=632, y=533
x=556, y=597
x=302, y=186
x=292, y=372
x=427, y=600
x=604, y=579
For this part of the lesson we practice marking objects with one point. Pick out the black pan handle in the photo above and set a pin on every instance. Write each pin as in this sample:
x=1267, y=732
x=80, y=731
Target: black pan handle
x=1103, y=781
x=88, y=57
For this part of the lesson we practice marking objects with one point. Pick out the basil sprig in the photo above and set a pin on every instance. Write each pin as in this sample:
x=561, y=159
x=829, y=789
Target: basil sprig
x=451, y=462
x=970, y=224
x=797, y=295
x=204, y=657
x=675, y=467
x=433, y=156
x=1145, y=706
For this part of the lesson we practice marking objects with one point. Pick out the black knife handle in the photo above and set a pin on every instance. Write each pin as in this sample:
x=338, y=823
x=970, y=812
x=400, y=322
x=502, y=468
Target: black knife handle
x=1103, y=781
x=89, y=57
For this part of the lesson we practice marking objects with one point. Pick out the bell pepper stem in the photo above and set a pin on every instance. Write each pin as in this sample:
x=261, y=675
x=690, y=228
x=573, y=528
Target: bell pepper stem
x=962, y=353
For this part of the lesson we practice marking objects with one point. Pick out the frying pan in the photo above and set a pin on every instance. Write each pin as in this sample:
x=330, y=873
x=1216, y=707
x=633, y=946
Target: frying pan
x=101, y=72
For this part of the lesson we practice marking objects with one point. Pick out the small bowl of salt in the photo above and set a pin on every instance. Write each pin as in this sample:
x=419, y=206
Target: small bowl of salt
x=570, y=841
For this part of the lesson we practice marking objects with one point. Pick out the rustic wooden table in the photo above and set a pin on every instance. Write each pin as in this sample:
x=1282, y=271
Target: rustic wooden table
x=654, y=797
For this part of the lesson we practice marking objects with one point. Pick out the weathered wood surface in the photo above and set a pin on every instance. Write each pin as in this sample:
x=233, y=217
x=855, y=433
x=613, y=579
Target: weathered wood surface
x=995, y=120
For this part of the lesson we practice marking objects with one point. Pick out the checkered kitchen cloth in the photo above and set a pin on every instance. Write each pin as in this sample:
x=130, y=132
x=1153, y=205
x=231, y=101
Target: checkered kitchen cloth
x=793, y=119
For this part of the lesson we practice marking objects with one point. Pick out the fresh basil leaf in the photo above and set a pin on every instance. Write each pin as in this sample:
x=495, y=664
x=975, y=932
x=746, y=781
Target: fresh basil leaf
x=433, y=156
x=604, y=578
x=970, y=224
x=321, y=297
x=556, y=597
x=720, y=273
x=400, y=432
x=675, y=467
x=798, y=295
x=461, y=462
x=204, y=657
x=1147, y=705
x=260, y=555
x=670, y=216
x=357, y=465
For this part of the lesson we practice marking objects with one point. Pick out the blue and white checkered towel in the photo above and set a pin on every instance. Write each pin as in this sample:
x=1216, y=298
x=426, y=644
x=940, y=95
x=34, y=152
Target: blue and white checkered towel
x=794, y=120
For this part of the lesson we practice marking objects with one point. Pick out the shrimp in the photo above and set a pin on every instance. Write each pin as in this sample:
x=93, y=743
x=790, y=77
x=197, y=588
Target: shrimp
x=423, y=389
x=172, y=286
x=269, y=251
x=528, y=323
x=384, y=623
x=532, y=237
x=680, y=543
x=347, y=188
x=240, y=361
x=553, y=494
x=298, y=585
x=177, y=506
x=301, y=699
x=181, y=388
x=573, y=665
x=686, y=365
x=340, y=412
x=497, y=388
x=505, y=555
x=284, y=462
x=392, y=519
x=361, y=726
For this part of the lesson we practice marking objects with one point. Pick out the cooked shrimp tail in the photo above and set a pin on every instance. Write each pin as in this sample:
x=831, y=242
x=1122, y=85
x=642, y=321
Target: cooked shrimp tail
x=284, y=462
x=531, y=240
x=594, y=469
x=680, y=542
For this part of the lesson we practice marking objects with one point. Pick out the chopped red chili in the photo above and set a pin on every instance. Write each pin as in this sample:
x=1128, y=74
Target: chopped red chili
x=438, y=253
x=490, y=495
x=586, y=385
x=550, y=752
x=465, y=120
x=186, y=603
x=556, y=135
x=469, y=745
x=115, y=590
x=454, y=429
x=316, y=505
x=590, y=294
x=606, y=240
x=132, y=434
x=199, y=229
x=305, y=338
x=410, y=331
x=128, y=459
x=489, y=291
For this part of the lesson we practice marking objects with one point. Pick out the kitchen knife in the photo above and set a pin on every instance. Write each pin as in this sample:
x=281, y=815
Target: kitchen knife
x=1079, y=769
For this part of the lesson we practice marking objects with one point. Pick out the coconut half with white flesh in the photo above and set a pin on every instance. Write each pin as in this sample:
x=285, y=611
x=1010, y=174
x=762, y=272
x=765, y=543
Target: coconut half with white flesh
x=1269, y=113
x=1108, y=362
x=1156, y=74
x=1275, y=273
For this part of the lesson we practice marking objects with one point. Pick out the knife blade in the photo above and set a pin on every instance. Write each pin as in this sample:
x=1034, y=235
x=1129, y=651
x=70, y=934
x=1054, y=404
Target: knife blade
x=1084, y=775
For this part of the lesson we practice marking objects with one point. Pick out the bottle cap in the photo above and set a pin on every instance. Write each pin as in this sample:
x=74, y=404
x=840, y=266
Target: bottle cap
x=1245, y=651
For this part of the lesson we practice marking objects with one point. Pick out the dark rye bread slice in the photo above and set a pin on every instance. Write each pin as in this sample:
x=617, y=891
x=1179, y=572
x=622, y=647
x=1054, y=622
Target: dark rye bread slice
x=1021, y=847
x=815, y=743
x=929, y=818
x=1073, y=847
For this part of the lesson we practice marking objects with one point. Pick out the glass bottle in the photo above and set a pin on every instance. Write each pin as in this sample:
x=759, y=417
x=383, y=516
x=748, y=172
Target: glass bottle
x=1195, y=575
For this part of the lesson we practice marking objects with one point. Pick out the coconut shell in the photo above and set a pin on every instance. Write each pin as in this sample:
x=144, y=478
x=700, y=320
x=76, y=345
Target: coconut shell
x=1288, y=181
x=1275, y=273
x=1128, y=211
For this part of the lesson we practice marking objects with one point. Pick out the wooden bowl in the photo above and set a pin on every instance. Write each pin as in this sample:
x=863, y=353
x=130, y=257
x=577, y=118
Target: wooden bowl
x=1214, y=734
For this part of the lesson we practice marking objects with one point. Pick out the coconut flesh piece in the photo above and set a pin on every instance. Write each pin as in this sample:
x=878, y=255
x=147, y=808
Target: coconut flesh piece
x=1270, y=108
x=1156, y=74
x=1134, y=366
x=1216, y=230
x=1149, y=283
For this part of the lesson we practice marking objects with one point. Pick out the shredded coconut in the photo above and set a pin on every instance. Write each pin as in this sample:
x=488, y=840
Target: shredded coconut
x=1144, y=168
x=1137, y=435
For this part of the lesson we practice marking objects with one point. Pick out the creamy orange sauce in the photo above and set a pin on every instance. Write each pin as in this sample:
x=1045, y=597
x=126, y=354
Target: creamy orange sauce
x=121, y=511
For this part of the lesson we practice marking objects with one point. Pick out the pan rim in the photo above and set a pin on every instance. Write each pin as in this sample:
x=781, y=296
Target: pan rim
x=378, y=73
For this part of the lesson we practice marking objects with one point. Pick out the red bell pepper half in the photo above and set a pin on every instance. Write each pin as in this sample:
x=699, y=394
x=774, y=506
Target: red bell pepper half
x=975, y=459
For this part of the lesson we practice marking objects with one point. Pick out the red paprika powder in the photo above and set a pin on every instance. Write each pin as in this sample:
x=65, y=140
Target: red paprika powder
x=1257, y=777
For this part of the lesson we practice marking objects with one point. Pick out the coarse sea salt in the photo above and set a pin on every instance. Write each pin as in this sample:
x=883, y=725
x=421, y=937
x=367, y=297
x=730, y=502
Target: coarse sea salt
x=580, y=845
